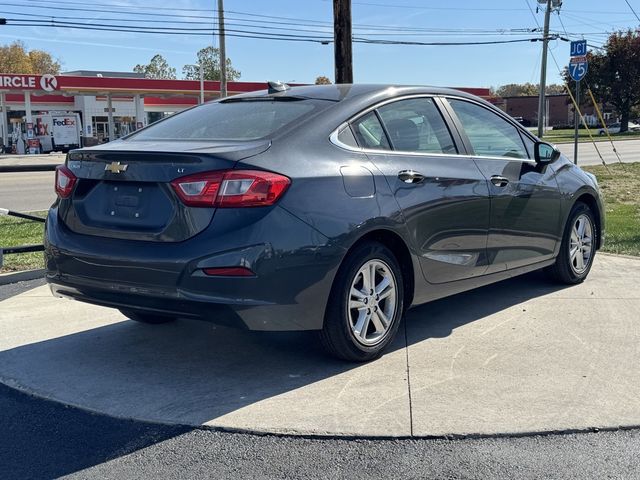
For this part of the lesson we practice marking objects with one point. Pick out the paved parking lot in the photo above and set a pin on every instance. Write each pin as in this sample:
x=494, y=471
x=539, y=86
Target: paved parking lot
x=516, y=357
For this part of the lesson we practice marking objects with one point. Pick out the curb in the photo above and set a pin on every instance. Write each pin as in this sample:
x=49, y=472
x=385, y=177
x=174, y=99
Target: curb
x=29, y=168
x=14, y=277
x=310, y=435
x=619, y=255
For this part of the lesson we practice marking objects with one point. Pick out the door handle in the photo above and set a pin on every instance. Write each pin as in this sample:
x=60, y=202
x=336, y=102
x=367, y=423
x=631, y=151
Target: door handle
x=411, y=176
x=499, y=181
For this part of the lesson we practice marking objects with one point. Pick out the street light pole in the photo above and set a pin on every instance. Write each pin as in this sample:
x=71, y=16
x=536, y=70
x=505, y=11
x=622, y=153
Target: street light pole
x=542, y=114
x=223, y=53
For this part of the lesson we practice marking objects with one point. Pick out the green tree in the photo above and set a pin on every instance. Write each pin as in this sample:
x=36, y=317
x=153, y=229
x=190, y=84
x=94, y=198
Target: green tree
x=554, y=89
x=322, y=80
x=15, y=58
x=158, y=67
x=209, y=58
x=614, y=74
x=526, y=89
x=517, y=90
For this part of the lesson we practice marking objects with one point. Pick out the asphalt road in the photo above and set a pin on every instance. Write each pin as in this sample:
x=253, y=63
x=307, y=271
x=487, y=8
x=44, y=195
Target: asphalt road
x=27, y=191
x=629, y=151
x=34, y=190
x=41, y=439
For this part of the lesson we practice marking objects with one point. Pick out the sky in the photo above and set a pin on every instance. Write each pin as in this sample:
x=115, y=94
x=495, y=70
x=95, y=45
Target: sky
x=302, y=62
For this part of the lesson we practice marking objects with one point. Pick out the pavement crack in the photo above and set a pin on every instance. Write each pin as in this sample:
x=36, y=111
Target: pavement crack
x=406, y=349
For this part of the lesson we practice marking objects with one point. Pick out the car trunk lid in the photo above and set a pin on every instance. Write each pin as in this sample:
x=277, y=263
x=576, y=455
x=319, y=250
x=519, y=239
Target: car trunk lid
x=123, y=188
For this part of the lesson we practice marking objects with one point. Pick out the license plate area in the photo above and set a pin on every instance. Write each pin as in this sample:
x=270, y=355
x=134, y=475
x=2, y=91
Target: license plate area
x=136, y=206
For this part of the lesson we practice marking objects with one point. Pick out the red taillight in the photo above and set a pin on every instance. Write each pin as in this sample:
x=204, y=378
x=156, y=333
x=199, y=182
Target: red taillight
x=231, y=188
x=65, y=181
x=229, y=272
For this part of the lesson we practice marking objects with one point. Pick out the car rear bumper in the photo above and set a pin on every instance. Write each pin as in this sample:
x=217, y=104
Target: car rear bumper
x=294, y=268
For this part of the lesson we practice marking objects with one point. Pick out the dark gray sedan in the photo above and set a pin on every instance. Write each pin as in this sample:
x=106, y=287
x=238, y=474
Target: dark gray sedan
x=332, y=208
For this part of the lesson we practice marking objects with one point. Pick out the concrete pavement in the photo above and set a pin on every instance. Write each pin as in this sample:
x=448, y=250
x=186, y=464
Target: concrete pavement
x=516, y=357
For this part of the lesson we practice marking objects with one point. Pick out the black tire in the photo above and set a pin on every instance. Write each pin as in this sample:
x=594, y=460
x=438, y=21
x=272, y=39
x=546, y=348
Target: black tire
x=150, y=318
x=337, y=336
x=563, y=271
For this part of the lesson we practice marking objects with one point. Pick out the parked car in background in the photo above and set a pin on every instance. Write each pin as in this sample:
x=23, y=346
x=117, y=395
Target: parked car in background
x=615, y=128
x=332, y=208
x=522, y=121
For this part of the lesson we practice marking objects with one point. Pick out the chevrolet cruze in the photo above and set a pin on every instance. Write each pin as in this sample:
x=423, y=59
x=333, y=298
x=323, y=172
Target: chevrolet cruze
x=331, y=208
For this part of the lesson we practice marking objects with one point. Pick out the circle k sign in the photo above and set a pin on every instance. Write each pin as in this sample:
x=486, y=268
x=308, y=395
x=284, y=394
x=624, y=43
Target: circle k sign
x=48, y=82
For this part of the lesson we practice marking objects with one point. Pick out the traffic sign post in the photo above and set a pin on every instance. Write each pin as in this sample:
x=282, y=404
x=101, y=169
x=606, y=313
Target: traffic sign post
x=576, y=125
x=578, y=68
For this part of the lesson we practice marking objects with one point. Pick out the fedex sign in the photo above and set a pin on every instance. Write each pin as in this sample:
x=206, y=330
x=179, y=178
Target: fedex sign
x=65, y=122
x=46, y=82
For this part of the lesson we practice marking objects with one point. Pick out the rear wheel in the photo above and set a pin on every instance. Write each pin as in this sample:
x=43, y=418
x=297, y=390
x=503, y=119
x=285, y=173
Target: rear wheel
x=150, y=318
x=365, y=305
x=578, y=247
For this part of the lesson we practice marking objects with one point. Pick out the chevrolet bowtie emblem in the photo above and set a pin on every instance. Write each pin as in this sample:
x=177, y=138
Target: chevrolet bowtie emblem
x=115, y=167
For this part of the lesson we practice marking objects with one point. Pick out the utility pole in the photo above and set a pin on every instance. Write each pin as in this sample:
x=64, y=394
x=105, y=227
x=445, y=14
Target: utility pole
x=223, y=53
x=201, y=83
x=542, y=113
x=342, y=41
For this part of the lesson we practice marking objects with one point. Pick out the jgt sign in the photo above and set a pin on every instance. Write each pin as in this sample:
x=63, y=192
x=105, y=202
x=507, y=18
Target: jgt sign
x=46, y=82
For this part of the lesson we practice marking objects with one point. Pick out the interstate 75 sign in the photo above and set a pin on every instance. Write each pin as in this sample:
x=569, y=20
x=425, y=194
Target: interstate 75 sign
x=578, y=65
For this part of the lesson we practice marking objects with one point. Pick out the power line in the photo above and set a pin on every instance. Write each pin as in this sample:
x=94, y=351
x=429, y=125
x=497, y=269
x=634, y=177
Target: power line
x=379, y=30
x=423, y=7
x=252, y=34
x=63, y=20
x=125, y=30
x=634, y=12
x=400, y=42
x=402, y=30
x=532, y=14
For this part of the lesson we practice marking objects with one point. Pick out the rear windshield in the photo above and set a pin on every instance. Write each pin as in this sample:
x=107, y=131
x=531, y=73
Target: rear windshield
x=241, y=119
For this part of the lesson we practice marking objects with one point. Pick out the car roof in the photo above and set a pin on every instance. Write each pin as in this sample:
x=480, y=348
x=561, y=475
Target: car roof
x=347, y=91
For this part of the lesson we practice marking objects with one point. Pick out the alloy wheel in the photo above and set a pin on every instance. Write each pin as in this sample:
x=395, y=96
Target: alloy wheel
x=372, y=302
x=581, y=244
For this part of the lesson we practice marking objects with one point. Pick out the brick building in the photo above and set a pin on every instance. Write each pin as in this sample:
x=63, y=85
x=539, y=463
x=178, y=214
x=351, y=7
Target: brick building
x=559, y=110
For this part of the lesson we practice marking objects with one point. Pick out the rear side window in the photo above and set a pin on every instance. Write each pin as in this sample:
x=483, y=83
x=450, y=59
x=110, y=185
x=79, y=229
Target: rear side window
x=415, y=125
x=490, y=135
x=247, y=119
x=370, y=133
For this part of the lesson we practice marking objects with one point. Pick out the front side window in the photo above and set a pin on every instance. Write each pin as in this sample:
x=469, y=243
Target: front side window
x=415, y=125
x=490, y=135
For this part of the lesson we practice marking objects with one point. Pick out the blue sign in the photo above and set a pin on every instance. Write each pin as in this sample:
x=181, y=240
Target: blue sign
x=579, y=48
x=578, y=68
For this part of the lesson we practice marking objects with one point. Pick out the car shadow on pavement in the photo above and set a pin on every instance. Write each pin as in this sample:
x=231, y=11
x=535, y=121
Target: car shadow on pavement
x=439, y=318
x=192, y=373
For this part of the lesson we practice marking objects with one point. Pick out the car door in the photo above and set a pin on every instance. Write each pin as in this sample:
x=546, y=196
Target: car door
x=442, y=194
x=525, y=198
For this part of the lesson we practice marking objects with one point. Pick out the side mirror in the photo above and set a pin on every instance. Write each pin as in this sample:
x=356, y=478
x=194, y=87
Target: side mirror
x=546, y=153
